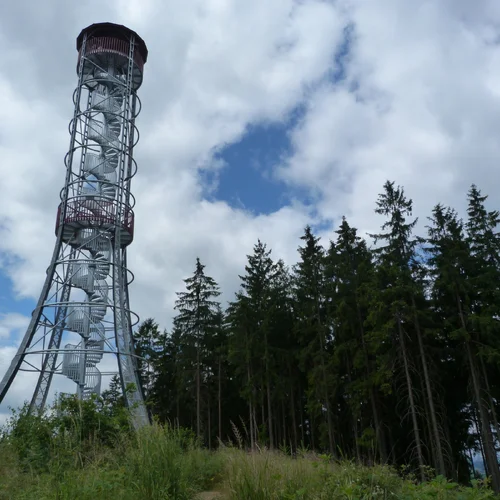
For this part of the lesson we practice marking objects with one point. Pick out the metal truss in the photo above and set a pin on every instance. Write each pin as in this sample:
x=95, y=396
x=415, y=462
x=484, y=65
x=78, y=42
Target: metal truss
x=85, y=295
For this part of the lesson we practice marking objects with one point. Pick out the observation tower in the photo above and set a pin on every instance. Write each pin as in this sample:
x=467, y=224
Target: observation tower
x=83, y=313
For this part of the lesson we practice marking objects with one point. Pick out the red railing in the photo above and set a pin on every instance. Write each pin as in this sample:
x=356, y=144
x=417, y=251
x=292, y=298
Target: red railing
x=95, y=212
x=114, y=45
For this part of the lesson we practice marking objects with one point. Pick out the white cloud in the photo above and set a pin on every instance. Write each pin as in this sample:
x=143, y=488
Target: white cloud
x=214, y=68
x=12, y=324
x=424, y=111
x=12, y=327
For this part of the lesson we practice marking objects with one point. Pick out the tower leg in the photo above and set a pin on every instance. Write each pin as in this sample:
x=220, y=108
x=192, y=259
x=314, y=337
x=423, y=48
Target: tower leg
x=49, y=364
x=18, y=359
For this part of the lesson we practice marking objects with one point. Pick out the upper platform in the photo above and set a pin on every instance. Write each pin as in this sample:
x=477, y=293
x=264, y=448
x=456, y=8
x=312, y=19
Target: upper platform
x=106, y=40
x=116, y=31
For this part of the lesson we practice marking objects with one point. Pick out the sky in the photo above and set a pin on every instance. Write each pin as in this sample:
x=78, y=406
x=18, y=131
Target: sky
x=258, y=118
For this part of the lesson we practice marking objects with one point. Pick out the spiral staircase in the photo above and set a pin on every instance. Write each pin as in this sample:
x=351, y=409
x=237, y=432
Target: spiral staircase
x=90, y=225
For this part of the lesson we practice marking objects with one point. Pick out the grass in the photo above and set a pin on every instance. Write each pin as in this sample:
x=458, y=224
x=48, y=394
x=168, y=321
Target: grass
x=54, y=459
x=273, y=476
x=157, y=463
x=160, y=463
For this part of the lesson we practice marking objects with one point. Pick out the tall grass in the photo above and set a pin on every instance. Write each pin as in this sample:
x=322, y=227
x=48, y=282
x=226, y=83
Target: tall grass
x=42, y=458
x=163, y=463
x=97, y=458
x=275, y=476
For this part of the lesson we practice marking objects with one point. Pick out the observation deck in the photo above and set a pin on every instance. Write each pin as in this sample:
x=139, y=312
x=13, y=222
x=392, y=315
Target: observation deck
x=108, y=41
x=96, y=213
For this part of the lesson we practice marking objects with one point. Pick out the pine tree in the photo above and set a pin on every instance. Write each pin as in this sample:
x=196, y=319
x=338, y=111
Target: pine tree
x=484, y=275
x=167, y=386
x=250, y=345
x=349, y=271
x=313, y=332
x=398, y=268
x=145, y=344
x=450, y=291
x=112, y=397
x=197, y=316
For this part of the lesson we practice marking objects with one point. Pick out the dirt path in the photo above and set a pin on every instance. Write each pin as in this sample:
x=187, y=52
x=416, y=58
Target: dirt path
x=210, y=495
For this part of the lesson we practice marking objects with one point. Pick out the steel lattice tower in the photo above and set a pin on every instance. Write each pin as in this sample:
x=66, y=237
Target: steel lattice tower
x=85, y=294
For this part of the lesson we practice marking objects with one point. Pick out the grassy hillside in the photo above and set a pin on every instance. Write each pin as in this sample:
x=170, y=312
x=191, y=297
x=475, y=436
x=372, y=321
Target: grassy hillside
x=82, y=454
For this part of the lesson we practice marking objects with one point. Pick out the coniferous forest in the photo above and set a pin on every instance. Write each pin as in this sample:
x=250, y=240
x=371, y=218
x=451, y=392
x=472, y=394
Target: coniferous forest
x=380, y=350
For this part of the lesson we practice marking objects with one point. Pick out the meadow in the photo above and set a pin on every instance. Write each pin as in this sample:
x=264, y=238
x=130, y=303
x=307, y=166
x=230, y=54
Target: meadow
x=79, y=451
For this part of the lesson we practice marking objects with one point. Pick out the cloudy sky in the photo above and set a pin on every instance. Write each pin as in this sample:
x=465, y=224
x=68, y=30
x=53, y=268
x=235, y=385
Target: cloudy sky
x=258, y=118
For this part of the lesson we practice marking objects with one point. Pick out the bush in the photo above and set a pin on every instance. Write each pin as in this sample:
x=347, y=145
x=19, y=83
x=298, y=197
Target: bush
x=30, y=437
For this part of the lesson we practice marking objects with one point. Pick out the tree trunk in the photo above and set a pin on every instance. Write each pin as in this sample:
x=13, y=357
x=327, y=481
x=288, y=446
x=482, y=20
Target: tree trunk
x=219, y=402
x=411, y=400
x=311, y=427
x=262, y=408
x=292, y=411
x=209, y=426
x=490, y=399
x=198, y=393
x=484, y=422
x=250, y=409
x=472, y=463
x=255, y=426
x=379, y=432
x=451, y=464
x=481, y=447
x=484, y=425
x=440, y=465
x=353, y=414
x=177, y=410
x=283, y=435
x=269, y=405
x=327, y=397
x=301, y=410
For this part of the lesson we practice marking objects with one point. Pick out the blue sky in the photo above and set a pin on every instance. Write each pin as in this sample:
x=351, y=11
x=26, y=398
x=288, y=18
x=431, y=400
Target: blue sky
x=9, y=303
x=247, y=181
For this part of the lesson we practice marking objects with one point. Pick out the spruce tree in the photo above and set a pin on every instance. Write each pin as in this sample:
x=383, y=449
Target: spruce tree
x=450, y=292
x=349, y=272
x=145, y=343
x=313, y=332
x=387, y=354
x=250, y=339
x=167, y=387
x=484, y=275
x=400, y=290
x=197, y=316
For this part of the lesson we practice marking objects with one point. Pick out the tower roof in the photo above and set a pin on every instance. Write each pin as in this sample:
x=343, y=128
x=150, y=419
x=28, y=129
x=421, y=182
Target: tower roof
x=114, y=31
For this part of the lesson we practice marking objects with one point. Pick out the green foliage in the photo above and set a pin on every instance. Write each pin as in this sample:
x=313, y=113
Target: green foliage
x=273, y=476
x=385, y=354
x=163, y=462
x=66, y=434
x=376, y=355
x=31, y=438
x=79, y=450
